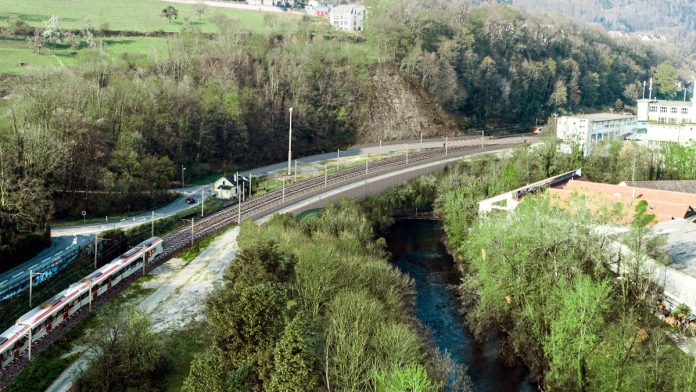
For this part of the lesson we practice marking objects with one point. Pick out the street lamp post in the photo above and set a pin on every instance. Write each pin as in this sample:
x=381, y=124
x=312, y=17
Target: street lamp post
x=183, y=169
x=290, y=145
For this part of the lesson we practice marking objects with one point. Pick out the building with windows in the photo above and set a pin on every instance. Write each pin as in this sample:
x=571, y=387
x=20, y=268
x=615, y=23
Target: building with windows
x=224, y=189
x=585, y=130
x=347, y=17
x=667, y=112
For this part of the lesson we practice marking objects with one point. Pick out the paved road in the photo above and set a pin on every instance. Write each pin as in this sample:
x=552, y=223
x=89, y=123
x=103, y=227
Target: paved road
x=170, y=209
x=58, y=244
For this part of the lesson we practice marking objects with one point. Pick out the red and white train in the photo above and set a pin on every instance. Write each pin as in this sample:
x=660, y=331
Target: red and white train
x=36, y=323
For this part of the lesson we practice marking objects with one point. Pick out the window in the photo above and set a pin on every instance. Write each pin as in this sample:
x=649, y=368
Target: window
x=653, y=108
x=663, y=109
x=685, y=111
x=673, y=110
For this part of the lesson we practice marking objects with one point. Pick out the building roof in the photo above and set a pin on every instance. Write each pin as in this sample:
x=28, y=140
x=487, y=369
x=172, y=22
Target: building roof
x=683, y=186
x=661, y=102
x=680, y=236
x=603, y=116
x=666, y=205
x=346, y=9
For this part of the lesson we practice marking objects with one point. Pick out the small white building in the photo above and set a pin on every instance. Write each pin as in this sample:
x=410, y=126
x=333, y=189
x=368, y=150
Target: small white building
x=224, y=189
x=347, y=17
x=585, y=130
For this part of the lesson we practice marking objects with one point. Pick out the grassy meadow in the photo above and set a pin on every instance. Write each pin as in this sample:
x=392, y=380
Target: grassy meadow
x=17, y=56
x=124, y=15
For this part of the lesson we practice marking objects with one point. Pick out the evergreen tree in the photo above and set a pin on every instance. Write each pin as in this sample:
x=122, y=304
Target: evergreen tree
x=296, y=358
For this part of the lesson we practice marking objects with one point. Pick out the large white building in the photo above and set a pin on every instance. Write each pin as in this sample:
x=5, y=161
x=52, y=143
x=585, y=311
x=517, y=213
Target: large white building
x=667, y=112
x=347, y=17
x=585, y=130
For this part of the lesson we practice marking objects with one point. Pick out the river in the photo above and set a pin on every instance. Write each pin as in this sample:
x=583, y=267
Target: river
x=417, y=249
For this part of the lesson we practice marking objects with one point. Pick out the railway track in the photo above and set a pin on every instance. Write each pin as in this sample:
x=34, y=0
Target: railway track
x=183, y=237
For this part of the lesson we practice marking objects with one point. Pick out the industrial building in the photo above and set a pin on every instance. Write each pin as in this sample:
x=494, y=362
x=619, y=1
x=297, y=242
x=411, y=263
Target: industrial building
x=585, y=130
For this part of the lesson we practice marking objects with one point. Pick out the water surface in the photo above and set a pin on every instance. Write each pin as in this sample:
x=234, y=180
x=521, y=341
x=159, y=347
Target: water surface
x=417, y=249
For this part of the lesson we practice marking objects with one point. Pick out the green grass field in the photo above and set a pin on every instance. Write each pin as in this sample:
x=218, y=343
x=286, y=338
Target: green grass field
x=16, y=56
x=125, y=15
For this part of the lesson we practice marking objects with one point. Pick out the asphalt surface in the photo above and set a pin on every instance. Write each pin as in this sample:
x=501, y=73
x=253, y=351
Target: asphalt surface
x=58, y=244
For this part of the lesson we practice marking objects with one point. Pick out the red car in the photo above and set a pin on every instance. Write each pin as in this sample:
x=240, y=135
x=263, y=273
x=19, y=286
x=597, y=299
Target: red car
x=190, y=200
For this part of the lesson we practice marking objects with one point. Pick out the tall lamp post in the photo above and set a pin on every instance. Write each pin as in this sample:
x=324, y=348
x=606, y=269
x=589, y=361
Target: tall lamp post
x=290, y=145
x=183, y=169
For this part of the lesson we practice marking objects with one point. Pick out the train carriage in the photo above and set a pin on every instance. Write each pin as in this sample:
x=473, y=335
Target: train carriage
x=41, y=320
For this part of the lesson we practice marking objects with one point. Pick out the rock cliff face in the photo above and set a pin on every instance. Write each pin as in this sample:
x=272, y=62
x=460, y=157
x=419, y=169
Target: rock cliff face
x=398, y=110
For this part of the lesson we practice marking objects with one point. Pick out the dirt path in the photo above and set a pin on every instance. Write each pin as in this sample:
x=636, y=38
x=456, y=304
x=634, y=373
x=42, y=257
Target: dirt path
x=180, y=295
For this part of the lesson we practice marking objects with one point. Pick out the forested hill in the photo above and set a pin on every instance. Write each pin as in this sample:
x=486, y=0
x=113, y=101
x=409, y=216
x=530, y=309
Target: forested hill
x=493, y=65
x=621, y=15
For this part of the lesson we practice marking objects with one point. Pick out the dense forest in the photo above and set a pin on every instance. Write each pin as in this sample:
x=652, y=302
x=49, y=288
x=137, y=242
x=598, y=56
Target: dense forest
x=493, y=65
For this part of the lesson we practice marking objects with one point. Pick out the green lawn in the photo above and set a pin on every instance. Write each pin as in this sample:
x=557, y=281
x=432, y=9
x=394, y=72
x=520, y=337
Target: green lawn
x=16, y=56
x=130, y=15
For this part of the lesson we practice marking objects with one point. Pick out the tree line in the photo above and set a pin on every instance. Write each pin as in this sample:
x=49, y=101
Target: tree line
x=493, y=65
x=112, y=135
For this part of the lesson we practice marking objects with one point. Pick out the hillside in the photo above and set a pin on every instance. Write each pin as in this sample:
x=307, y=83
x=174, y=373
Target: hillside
x=399, y=110
x=621, y=15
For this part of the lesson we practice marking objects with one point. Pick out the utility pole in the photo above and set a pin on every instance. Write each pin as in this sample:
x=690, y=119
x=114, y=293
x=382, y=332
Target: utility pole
x=421, y=142
x=144, y=259
x=295, y=170
x=483, y=135
x=249, y=184
x=380, y=147
x=192, y=220
x=243, y=192
x=96, y=248
x=326, y=174
x=407, y=156
x=239, y=211
x=366, y=162
x=202, y=204
x=31, y=285
x=283, y=189
x=338, y=156
x=152, y=221
x=183, y=169
x=30, y=342
x=445, y=145
x=290, y=145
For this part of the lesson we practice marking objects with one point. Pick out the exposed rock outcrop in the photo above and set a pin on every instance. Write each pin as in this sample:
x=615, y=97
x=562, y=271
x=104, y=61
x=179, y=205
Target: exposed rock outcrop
x=398, y=110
